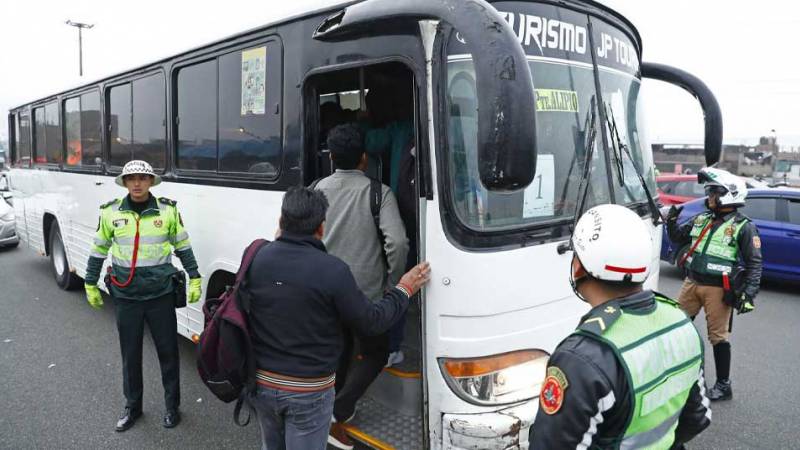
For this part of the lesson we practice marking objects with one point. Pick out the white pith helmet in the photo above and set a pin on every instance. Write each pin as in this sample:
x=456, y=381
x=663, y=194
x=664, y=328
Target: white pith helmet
x=735, y=187
x=613, y=244
x=137, y=166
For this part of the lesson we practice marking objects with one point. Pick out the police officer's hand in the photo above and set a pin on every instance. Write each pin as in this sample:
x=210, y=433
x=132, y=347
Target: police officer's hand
x=745, y=304
x=415, y=278
x=93, y=296
x=673, y=213
x=195, y=289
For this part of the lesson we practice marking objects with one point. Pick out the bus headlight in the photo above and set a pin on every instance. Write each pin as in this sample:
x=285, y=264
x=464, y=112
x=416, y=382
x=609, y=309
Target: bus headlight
x=497, y=379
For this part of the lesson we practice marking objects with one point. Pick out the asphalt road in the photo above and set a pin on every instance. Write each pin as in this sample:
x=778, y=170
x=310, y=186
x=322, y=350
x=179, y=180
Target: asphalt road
x=60, y=383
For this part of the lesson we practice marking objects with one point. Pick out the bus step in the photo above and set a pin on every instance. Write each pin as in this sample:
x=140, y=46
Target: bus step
x=382, y=428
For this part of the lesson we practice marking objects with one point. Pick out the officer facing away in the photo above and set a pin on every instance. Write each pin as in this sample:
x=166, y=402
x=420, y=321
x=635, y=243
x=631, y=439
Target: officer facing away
x=631, y=375
x=723, y=265
x=141, y=232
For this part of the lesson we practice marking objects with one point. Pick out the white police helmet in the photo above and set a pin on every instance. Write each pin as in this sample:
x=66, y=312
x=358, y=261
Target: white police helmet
x=613, y=244
x=137, y=167
x=735, y=188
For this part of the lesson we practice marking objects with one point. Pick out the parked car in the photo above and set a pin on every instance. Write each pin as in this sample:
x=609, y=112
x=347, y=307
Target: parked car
x=676, y=189
x=8, y=225
x=776, y=214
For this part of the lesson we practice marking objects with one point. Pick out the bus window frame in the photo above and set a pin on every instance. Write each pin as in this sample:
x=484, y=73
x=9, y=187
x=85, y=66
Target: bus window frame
x=309, y=114
x=105, y=100
x=84, y=168
x=16, y=162
x=218, y=177
x=34, y=142
x=13, y=121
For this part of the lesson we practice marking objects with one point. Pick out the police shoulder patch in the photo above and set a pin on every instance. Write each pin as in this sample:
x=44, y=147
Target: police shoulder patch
x=756, y=242
x=107, y=204
x=167, y=201
x=553, y=389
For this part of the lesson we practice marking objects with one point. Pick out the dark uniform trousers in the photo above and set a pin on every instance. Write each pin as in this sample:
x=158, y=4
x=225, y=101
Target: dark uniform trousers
x=159, y=314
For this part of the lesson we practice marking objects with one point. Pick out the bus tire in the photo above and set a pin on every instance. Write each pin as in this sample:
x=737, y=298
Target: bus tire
x=65, y=279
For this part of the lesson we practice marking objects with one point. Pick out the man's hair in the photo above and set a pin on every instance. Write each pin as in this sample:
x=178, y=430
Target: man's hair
x=303, y=210
x=346, y=144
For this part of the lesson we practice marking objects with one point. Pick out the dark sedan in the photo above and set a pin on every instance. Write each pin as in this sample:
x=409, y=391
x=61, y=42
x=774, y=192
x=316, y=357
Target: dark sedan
x=776, y=213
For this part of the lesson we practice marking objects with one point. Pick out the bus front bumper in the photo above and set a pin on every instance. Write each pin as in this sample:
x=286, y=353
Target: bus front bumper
x=500, y=430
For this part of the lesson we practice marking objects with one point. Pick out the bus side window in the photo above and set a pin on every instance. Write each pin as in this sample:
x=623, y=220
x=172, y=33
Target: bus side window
x=149, y=125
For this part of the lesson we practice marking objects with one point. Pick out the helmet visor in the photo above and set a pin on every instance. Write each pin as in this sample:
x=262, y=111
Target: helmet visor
x=715, y=189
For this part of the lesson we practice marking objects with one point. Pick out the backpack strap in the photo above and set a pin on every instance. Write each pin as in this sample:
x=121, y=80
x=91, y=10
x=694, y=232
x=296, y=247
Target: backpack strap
x=375, y=200
x=249, y=255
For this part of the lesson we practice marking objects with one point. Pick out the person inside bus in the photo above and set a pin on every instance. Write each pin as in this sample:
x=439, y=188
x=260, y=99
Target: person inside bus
x=389, y=133
x=376, y=257
x=142, y=231
x=301, y=299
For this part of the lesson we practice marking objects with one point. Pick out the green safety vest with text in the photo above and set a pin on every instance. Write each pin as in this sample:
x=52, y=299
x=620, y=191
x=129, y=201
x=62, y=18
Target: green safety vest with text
x=716, y=253
x=160, y=230
x=662, y=354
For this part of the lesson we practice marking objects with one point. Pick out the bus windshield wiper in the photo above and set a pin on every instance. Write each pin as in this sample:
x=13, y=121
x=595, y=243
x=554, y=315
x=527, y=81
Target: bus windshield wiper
x=583, y=186
x=621, y=147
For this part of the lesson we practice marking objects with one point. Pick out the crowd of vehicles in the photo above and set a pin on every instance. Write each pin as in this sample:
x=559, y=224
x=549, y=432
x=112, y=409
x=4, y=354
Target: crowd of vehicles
x=525, y=113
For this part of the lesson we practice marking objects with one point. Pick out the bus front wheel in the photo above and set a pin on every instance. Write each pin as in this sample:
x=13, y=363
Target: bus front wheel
x=65, y=279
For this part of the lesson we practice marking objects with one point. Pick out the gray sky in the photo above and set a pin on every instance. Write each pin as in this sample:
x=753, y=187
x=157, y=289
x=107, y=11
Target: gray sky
x=741, y=49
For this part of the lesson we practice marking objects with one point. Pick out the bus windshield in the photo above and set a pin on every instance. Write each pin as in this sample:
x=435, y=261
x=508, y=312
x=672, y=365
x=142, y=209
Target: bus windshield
x=566, y=107
x=577, y=82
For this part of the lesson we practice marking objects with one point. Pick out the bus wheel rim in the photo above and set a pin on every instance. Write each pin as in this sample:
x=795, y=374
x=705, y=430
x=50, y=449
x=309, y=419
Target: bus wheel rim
x=59, y=259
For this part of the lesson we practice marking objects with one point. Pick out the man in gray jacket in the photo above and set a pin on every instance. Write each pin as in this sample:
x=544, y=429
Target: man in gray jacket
x=376, y=257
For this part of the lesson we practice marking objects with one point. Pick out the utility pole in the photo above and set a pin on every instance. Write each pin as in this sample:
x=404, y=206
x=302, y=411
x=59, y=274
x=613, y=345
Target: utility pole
x=80, y=27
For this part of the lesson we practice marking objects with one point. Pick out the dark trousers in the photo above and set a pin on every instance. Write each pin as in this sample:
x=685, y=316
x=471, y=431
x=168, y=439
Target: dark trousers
x=159, y=314
x=362, y=361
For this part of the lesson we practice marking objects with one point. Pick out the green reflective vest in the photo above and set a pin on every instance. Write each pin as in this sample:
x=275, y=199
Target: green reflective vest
x=717, y=252
x=160, y=230
x=662, y=354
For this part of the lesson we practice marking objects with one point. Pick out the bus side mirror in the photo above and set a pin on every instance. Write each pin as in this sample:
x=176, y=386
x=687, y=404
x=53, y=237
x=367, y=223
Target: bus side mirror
x=506, y=114
x=711, y=112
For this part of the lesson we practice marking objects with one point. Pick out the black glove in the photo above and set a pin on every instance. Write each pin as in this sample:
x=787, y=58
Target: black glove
x=745, y=304
x=673, y=213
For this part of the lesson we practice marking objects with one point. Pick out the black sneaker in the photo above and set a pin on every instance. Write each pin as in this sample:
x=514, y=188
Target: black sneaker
x=721, y=391
x=127, y=419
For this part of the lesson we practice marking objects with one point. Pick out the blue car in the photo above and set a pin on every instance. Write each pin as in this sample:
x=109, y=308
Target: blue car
x=776, y=213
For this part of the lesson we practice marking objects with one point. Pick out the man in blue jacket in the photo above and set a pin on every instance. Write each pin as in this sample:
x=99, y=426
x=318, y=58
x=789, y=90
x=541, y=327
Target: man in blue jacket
x=301, y=297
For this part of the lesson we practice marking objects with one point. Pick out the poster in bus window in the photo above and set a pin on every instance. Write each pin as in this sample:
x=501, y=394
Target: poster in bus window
x=540, y=194
x=254, y=62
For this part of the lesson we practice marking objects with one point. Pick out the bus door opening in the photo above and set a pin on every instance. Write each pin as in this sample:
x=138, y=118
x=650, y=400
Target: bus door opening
x=380, y=99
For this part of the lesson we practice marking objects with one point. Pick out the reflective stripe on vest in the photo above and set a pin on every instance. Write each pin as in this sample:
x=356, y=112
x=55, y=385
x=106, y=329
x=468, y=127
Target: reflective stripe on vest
x=718, y=251
x=661, y=353
x=155, y=239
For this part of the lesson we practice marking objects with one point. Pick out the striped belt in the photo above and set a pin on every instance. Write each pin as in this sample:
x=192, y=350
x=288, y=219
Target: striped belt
x=294, y=384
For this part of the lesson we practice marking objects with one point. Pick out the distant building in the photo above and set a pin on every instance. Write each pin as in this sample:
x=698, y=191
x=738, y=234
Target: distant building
x=744, y=160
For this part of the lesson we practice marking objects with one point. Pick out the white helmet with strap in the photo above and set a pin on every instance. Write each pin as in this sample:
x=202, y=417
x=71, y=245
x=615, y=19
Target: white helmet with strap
x=137, y=166
x=735, y=188
x=613, y=244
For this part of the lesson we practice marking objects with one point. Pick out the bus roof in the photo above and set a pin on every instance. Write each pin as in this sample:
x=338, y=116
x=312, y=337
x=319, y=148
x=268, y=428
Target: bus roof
x=318, y=7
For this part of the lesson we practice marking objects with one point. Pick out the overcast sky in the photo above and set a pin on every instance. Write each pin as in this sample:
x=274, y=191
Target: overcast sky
x=743, y=50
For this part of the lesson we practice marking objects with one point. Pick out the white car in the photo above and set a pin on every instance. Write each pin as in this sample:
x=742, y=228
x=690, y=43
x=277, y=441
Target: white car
x=8, y=227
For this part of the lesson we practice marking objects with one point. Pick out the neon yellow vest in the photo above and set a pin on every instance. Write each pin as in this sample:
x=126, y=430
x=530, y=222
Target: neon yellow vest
x=716, y=253
x=662, y=354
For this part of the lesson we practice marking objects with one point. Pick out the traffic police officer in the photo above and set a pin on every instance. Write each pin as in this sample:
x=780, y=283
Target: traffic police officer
x=723, y=265
x=141, y=232
x=631, y=375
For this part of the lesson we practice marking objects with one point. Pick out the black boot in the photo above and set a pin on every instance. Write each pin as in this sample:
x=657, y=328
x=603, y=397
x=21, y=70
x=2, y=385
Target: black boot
x=722, y=361
x=721, y=391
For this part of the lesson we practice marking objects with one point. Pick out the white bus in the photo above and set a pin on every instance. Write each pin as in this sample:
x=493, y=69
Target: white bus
x=522, y=112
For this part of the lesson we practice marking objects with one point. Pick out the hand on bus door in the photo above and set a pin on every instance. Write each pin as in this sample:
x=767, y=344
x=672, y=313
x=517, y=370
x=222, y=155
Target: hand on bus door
x=93, y=296
x=415, y=278
x=195, y=289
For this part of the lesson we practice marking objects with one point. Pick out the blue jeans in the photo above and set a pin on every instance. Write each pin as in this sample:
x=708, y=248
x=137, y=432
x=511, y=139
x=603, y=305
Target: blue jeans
x=293, y=420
